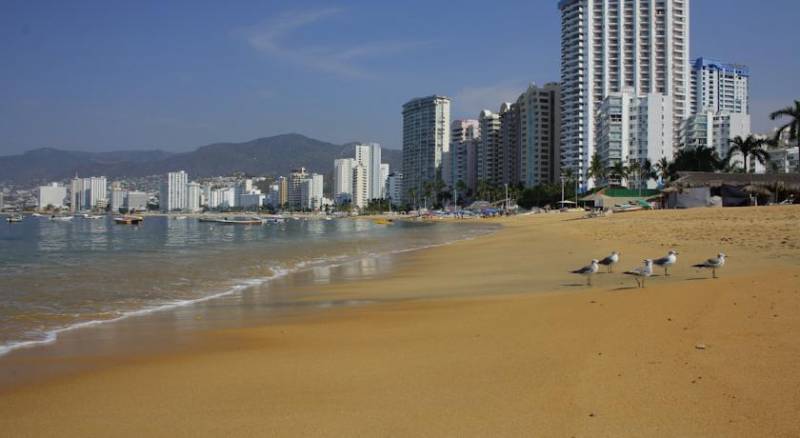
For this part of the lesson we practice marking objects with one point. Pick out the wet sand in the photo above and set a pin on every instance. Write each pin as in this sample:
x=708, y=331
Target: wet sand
x=484, y=354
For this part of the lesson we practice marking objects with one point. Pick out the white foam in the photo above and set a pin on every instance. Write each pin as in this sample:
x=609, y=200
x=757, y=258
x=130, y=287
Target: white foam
x=51, y=336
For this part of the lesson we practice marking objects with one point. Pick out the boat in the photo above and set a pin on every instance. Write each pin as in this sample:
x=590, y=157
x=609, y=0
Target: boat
x=238, y=220
x=180, y=218
x=275, y=220
x=14, y=219
x=129, y=220
x=383, y=221
x=62, y=218
x=92, y=216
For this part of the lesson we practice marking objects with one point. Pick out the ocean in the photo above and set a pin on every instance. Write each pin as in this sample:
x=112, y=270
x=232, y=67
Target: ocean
x=58, y=276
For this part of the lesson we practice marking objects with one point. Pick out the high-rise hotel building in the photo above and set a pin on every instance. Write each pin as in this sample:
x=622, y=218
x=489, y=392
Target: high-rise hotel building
x=609, y=46
x=426, y=137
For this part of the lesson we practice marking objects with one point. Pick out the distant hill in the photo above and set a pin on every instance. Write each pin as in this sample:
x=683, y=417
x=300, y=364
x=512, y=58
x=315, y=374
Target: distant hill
x=276, y=155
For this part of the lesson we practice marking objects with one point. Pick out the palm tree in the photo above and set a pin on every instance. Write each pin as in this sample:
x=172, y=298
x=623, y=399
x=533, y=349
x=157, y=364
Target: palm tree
x=619, y=171
x=596, y=168
x=749, y=147
x=663, y=169
x=461, y=189
x=696, y=159
x=793, y=126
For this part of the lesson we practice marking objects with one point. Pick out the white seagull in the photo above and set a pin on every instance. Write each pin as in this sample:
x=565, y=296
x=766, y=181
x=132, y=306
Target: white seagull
x=642, y=273
x=666, y=262
x=611, y=260
x=588, y=271
x=713, y=264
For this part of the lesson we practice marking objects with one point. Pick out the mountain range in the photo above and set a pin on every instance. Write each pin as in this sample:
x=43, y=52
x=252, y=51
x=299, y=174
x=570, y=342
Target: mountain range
x=269, y=156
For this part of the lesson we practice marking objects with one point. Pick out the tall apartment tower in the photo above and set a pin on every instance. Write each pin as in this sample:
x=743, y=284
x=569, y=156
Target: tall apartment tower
x=719, y=87
x=426, y=137
x=343, y=180
x=174, y=192
x=369, y=156
x=540, y=134
x=488, y=154
x=460, y=164
x=610, y=45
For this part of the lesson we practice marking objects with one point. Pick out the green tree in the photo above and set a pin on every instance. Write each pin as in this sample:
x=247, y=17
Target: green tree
x=596, y=168
x=619, y=171
x=697, y=159
x=793, y=125
x=748, y=147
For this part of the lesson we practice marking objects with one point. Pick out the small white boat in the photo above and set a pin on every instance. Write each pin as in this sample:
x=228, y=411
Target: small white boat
x=92, y=216
x=15, y=219
x=181, y=218
x=62, y=218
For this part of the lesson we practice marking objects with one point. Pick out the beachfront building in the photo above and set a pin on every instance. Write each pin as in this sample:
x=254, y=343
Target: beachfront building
x=193, y=195
x=539, y=134
x=608, y=46
x=88, y=193
x=369, y=156
x=174, y=192
x=488, y=152
x=383, y=180
x=720, y=87
x=459, y=163
x=296, y=178
x=360, y=186
x=343, y=180
x=394, y=188
x=117, y=199
x=311, y=195
x=136, y=201
x=715, y=130
x=634, y=128
x=426, y=137
x=51, y=196
x=509, y=152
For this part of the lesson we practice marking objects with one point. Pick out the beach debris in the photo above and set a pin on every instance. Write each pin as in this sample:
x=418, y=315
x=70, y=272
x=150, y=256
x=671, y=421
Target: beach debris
x=700, y=346
x=591, y=414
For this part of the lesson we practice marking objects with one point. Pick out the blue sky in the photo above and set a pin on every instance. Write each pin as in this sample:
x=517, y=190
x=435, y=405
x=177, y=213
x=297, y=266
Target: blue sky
x=108, y=75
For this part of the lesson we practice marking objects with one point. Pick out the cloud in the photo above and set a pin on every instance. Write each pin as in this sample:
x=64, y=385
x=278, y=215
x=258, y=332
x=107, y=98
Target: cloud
x=470, y=101
x=271, y=38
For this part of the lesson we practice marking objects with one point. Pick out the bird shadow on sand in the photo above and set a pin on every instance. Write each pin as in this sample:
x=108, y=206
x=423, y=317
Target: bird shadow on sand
x=698, y=279
x=575, y=285
x=622, y=288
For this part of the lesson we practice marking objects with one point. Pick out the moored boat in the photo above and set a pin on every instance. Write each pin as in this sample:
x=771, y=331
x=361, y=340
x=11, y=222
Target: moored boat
x=129, y=220
x=238, y=220
x=14, y=219
x=62, y=218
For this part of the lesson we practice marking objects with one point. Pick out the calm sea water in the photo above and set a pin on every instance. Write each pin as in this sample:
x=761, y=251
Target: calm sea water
x=55, y=276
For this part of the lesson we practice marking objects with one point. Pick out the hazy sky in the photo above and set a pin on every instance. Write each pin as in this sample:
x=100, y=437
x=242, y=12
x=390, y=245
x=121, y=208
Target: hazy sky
x=104, y=75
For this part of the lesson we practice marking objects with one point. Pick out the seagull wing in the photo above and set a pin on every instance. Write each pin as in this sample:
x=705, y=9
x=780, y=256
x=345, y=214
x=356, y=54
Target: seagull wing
x=661, y=261
x=583, y=270
x=607, y=261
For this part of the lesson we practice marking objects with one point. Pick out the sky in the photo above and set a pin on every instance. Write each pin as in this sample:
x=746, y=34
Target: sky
x=175, y=75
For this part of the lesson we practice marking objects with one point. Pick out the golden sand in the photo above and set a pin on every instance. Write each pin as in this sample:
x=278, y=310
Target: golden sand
x=687, y=356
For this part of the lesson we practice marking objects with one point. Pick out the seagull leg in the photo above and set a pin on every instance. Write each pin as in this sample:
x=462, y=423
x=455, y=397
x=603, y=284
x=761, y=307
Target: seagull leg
x=714, y=272
x=666, y=271
x=643, y=279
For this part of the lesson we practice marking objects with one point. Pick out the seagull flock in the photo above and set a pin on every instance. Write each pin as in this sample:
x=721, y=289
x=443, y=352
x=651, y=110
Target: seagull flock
x=642, y=273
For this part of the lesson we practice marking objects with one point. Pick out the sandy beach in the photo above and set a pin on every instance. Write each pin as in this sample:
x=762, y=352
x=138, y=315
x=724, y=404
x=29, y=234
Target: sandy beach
x=507, y=344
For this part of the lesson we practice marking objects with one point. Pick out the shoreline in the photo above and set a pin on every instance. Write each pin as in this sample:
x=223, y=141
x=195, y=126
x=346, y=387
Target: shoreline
x=487, y=351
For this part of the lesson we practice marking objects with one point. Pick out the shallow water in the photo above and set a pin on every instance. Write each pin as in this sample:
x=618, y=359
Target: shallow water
x=58, y=276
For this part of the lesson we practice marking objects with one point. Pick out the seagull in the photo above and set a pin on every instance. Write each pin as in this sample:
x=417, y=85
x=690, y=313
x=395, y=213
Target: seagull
x=641, y=273
x=588, y=271
x=666, y=262
x=713, y=264
x=611, y=260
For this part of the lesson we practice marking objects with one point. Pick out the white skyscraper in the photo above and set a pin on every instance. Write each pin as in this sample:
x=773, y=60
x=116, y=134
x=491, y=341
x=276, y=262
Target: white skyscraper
x=459, y=162
x=174, y=192
x=193, y=195
x=395, y=188
x=718, y=87
x=634, y=128
x=343, y=180
x=488, y=159
x=384, y=178
x=311, y=192
x=715, y=130
x=369, y=156
x=117, y=200
x=610, y=45
x=88, y=193
x=426, y=136
x=51, y=196
x=360, y=186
